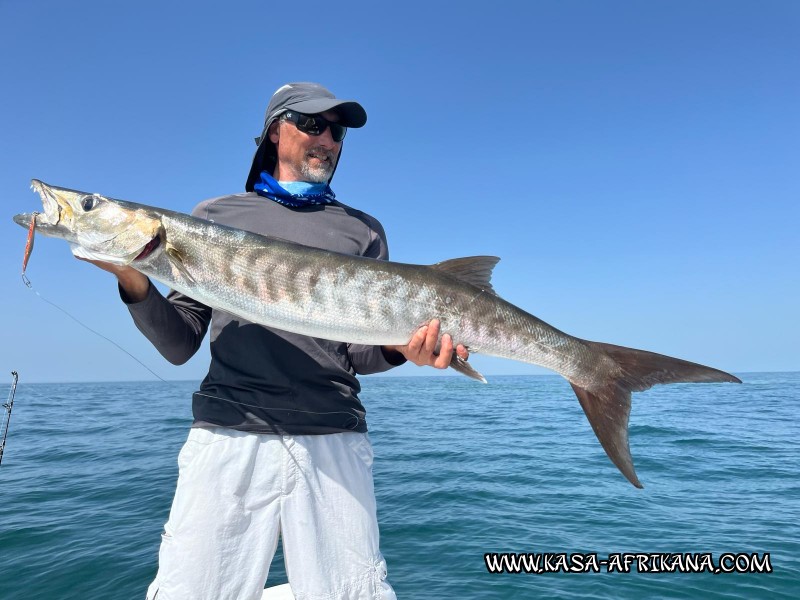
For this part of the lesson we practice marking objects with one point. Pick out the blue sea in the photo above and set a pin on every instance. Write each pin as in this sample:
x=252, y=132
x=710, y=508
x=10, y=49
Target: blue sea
x=461, y=470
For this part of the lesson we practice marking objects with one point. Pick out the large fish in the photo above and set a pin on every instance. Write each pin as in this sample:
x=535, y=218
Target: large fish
x=360, y=300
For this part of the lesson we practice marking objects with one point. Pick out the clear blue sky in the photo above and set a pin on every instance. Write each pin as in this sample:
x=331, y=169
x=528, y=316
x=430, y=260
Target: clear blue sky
x=635, y=164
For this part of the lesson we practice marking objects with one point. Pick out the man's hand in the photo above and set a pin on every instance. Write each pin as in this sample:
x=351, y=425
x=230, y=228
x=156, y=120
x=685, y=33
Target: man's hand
x=420, y=350
x=134, y=284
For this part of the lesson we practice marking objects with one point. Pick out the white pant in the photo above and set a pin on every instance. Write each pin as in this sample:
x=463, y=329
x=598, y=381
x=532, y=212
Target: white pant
x=237, y=491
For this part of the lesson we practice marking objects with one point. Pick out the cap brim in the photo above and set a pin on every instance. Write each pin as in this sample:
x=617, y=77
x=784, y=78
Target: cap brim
x=351, y=113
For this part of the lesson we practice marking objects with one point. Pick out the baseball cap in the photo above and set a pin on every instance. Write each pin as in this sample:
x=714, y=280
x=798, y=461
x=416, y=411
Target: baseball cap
x=303, y=97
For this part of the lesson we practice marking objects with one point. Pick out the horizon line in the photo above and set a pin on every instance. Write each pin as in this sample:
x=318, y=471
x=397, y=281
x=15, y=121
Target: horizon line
x=374, y=375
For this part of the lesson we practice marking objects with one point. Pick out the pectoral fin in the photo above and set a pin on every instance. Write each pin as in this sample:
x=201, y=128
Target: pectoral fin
x=462, y=366
x=177, y=259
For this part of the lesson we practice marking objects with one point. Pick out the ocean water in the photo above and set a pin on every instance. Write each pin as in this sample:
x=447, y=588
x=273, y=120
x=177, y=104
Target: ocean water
x=461, y=470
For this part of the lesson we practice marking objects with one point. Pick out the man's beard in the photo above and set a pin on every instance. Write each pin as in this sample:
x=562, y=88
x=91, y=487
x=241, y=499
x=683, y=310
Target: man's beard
x=322, y=172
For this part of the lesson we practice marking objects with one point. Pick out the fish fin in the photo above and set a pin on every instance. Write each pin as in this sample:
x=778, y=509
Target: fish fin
x=462, y=366
x=476, y=270
x=608, y=406
x=176, y=258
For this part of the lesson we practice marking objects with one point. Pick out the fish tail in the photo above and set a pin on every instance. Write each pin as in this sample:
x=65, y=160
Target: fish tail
x=608, y=405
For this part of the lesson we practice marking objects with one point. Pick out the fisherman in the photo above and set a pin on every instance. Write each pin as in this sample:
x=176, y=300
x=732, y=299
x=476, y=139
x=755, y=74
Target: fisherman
x=279, y=443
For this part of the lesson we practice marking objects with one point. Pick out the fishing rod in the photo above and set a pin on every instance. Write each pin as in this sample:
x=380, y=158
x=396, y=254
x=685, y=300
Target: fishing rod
x=8, y=406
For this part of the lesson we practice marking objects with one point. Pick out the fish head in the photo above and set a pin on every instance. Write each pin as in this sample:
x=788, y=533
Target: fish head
x=112, y=230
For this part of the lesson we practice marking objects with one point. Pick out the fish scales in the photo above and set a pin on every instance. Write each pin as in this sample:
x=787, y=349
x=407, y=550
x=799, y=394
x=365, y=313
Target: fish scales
x=287, y=285
x=360, y=300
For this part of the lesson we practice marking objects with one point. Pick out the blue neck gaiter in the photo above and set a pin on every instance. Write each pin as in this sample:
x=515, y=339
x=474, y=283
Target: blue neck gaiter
x=293, y=193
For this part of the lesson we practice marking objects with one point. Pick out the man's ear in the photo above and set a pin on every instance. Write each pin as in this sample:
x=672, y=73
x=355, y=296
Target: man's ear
x=273, y=132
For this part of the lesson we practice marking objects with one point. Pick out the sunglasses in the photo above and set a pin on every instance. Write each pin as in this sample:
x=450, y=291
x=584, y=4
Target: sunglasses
x=316, y=125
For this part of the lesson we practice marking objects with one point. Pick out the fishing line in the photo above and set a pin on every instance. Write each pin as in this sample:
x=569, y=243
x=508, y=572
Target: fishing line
x=35, y=393
x=259, y=407
x=105, y=425
x=29, y=285
x=281, y=408
x=109, y=340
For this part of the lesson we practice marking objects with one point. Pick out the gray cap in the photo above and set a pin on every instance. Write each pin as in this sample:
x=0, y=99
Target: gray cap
x=307, y=98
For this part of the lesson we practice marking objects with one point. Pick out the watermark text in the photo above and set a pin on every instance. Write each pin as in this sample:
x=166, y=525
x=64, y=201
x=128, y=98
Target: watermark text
x=628, y=562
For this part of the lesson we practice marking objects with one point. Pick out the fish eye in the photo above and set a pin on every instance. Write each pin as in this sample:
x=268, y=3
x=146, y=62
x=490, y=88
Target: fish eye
x=88, y=203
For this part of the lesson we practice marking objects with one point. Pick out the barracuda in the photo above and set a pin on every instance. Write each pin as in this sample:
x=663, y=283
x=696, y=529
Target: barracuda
x=360, y=300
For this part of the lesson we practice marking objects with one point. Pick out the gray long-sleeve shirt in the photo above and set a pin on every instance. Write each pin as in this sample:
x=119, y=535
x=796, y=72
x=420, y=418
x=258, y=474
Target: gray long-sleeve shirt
x=262, y=379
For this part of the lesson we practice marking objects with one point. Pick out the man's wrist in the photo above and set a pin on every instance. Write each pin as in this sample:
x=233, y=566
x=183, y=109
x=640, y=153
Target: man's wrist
x=133, y=286
x=392, y=356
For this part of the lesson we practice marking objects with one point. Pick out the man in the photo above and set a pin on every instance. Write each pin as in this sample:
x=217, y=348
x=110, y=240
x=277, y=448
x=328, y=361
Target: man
x=279, y=441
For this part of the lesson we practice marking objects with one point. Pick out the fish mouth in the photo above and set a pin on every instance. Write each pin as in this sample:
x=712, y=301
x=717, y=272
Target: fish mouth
x=149, y=248
x=52, y=207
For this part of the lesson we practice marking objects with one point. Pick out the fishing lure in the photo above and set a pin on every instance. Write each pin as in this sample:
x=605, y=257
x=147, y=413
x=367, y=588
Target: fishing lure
x=28, y=248
x=8, y=406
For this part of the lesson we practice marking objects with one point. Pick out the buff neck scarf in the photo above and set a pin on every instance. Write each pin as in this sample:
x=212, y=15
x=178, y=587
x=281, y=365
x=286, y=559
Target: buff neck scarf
x=293, y=193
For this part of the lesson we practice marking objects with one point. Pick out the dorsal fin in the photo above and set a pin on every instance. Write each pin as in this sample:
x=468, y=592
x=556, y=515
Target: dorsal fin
x=476, y=270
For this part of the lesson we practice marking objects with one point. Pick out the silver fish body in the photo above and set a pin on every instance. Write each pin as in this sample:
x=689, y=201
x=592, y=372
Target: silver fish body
x=351, y=298
x=361, y=300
